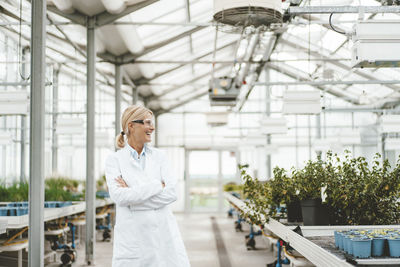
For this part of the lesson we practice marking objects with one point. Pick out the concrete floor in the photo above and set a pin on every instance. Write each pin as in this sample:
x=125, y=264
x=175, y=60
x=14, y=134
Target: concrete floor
x=199, y=239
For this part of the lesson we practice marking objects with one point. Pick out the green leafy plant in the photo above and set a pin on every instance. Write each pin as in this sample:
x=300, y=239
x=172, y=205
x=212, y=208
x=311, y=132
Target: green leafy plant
x=258, y=198
x=360, y=195
x=356, y=194
x=15, y=192
x=310, y=179
x=62, y=189
x=101, y=183
x=234, y=188
x=283, y=187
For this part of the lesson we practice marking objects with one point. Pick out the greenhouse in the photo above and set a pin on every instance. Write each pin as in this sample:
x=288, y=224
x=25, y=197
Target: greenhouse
x=160, y=133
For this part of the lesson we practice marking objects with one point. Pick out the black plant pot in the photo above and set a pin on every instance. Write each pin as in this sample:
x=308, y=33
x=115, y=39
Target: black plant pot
x=294, y=212
x=314, y=213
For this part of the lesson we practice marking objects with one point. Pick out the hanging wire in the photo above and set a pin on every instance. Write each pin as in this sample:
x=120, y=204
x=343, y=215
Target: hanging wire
x=19, y=45
x=214, y=52
x=309, y=45
x=333, y=28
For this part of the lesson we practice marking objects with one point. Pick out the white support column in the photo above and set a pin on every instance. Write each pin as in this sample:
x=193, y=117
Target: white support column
x=54, y=140
x=187, y=182
x=23, y=124
x=297, y=142
x=118, y=82
x=135, y=95
x=309, y=137
x=353, y=147
x=238, y=178
x=220, y=184
x=90, y=143
x=318, y=128
x=268, y=112
x=383, y=138
x=37, y=117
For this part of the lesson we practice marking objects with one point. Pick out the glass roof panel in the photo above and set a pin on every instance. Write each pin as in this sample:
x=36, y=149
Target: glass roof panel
x=201, y=11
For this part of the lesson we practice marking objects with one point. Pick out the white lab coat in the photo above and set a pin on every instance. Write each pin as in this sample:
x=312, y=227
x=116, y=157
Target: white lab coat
x=146, y=233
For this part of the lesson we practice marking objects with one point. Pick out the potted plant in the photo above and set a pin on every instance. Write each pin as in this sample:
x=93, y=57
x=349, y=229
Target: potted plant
x=309, y=182
x=359, y=195
x=283, y=191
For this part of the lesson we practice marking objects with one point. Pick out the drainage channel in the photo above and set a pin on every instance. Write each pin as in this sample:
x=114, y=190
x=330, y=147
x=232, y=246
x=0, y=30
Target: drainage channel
x=223, y=256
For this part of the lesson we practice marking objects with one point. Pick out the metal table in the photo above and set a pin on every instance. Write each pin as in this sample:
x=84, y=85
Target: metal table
x=317, y=242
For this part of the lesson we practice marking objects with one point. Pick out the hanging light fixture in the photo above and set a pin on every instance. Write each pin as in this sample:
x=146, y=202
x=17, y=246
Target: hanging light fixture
x=270, y=125
x=70, y=126
x=392, y=144
x=5, y=138
x=301, y=102
x=14, y=102
x=217, y=118
x=390, y=123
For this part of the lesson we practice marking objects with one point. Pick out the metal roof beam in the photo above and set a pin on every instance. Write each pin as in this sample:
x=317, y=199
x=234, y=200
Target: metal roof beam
x=296, y=10
x=130, y=58
x=197, y=61
x=320, y=83
x=107, y=56
x=285, y=69
x=76, y=17
x=170, y=90
x=184, y=102
x=188, y=19
x=338, y=64
x=144, y=80
x=272, y=42
x=200, y=94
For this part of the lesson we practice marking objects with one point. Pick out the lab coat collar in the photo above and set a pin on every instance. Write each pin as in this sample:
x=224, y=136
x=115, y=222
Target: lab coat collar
x=135, y=154
x=125, y=156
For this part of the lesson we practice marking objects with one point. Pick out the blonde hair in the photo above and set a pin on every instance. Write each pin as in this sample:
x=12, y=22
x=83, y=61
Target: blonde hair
x=131, y=113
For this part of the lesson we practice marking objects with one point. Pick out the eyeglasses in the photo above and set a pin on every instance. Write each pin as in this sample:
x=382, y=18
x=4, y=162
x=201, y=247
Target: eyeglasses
x=147, y=122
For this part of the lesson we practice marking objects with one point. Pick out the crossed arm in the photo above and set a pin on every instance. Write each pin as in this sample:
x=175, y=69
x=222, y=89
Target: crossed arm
x=152, y=195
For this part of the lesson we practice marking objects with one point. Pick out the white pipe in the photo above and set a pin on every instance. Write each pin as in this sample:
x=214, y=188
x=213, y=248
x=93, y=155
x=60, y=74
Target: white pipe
x=147, y=70
x=65, y=6
x=144, y=90
x=154, y=105
x=130, y=36
x=114, y=6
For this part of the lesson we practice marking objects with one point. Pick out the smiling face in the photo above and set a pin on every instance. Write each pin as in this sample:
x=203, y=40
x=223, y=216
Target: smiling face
x=141, y=132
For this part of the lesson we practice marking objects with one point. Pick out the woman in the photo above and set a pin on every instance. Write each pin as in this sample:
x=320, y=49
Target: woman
x=142, y=186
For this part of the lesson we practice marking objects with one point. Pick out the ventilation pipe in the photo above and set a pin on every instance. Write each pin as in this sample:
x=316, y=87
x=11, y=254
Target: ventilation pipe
x=65, y=6
x=114, y=6
x=130, y=36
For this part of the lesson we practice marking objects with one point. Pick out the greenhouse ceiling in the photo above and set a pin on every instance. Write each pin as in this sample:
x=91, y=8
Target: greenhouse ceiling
x=169, y=50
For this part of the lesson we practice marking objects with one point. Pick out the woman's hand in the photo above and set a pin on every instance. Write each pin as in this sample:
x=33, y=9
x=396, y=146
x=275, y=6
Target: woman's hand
x=121, y=182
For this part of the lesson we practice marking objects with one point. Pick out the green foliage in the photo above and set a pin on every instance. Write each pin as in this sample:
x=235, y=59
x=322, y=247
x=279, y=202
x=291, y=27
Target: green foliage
x=62, y=189
x=232, y=187
x=356, y=194
x=15, y=192
x=310, y=179
x=101, y=183
x=258, y=198
x=283, y=187
x=56, y=189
